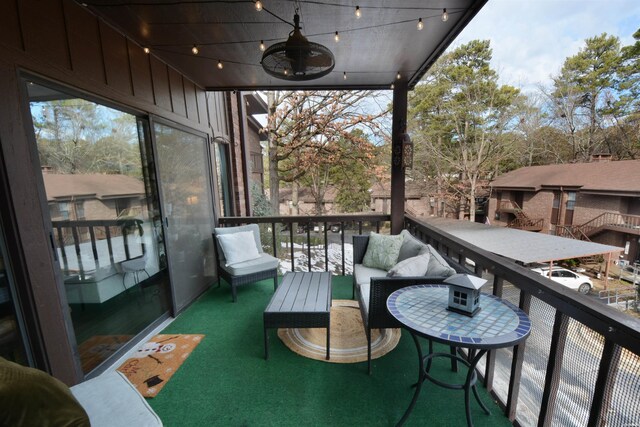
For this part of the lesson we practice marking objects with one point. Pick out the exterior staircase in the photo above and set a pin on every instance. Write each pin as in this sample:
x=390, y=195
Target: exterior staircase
x=521, y=220
x=614, y=221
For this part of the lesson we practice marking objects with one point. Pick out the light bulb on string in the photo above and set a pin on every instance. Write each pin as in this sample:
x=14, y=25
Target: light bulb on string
x=220, y=65
x=445, y=15
x=262, y=46
x=258, y=5
x=286, y=71
x=146, y=50
x=392, y=86
x=420, y=24
x=344, y=75
x=336, y=37
x=398, y=76
x=358, y=12
x=195, y=50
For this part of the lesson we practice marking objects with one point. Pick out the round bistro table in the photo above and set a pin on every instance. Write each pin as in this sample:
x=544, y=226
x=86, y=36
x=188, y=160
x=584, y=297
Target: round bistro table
x=422, y=310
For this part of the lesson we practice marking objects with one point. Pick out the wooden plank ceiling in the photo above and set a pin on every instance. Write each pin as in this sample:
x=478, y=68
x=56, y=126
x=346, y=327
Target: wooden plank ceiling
x=372, y=49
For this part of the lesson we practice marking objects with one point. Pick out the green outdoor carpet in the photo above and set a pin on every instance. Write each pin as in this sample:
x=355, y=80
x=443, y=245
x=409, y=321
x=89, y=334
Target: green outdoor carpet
x=227, y=382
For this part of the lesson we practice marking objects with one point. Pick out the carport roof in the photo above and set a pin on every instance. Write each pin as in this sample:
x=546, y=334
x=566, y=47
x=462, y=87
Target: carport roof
x=524, y=246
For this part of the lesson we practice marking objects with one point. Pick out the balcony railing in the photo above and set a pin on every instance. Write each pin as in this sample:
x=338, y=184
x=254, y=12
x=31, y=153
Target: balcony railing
x=318, y=243
x=581, y=364
x=88, y=245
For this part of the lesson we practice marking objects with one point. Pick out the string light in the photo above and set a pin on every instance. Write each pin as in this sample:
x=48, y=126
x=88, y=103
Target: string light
x=195, y=50
x=344, y=75
x=445, y=15
x=392, y=86
x=258, y=5
x=420, y=24
x=220, y=66
x=146, y=50
x=398, y=76
x=358, y=13
x=286, y=71
x=336, y=37
x=262, y=46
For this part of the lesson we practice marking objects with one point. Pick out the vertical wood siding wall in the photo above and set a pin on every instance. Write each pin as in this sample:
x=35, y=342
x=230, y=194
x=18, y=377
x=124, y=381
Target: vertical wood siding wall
x=64, y=42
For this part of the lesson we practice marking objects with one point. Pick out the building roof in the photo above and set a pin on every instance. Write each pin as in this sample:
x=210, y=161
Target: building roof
x=305, y=195
x=620, y=177
x=524, y=246
x=412, y=190
x=100, y=186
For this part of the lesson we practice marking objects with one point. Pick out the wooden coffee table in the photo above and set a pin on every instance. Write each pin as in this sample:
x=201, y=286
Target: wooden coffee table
x=302, y=300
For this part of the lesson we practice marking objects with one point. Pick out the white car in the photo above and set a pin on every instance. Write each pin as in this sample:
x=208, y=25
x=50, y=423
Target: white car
x=568, y=278
x=631, y=274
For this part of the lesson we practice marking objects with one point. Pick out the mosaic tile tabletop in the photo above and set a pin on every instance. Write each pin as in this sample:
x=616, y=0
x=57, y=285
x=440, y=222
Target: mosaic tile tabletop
x=423, y=308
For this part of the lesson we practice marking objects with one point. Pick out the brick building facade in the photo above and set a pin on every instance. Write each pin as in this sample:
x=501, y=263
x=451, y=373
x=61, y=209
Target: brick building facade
x=597, y=201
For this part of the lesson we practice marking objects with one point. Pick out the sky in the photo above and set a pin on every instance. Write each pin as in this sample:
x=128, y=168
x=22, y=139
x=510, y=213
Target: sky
x=532, y=38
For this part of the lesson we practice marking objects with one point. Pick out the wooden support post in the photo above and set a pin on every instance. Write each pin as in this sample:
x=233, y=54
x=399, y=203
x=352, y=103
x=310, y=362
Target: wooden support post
x=399, y=127
x=606, y=271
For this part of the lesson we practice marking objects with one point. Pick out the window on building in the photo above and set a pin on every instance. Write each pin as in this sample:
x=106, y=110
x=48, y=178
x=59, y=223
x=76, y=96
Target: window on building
x=63, y=210
x=79, y=207
x=122, y=207
x=555, y=210
x=571, y=204
x=256, y=163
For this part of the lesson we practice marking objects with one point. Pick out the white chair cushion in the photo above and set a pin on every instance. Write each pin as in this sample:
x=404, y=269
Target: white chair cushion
x=364, y=274
x=111, y=400
x=262, y=263
x=238, y=247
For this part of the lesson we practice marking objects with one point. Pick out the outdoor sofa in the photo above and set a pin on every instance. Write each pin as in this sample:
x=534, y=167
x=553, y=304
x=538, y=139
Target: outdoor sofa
x=372, y=286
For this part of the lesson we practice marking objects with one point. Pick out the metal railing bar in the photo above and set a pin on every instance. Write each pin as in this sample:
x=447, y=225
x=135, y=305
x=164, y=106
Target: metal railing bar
x=107, y=233
x=601, y=402
x=273, y=239
x=309, y=246
x=554, y=366
x=291, y=237
x=516, y=364
x=326, y=248
x=76, y=244
x=63, y=251
x=94, y=248
x=342, y=244
x=491, y=354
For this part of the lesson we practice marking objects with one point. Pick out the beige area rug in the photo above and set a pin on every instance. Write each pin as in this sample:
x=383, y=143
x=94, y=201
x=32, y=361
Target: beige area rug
x=348, y=339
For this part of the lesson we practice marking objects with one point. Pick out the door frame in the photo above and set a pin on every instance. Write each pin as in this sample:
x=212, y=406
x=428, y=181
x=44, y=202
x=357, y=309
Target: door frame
x=153, y=119
x=59, y=311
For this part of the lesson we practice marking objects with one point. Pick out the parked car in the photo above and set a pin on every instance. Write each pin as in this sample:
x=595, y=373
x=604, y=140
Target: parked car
x=631, y=274
x=568, y=278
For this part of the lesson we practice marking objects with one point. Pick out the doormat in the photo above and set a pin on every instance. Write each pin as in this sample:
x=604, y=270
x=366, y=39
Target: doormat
x=348, y=339
x=155, y=362
x=98, y=348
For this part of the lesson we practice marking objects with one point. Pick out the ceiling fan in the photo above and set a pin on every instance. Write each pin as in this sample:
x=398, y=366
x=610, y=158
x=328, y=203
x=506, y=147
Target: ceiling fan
x=297, y=59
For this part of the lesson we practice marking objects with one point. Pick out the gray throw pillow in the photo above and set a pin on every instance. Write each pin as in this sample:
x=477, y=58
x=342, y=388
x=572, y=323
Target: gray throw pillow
x=382, y=251
x=410, y=246
x=410, y=267
x=438, y=267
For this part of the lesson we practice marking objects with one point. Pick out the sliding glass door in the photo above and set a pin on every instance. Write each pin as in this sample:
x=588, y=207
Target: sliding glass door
x=102, y=200
x=185, y=186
